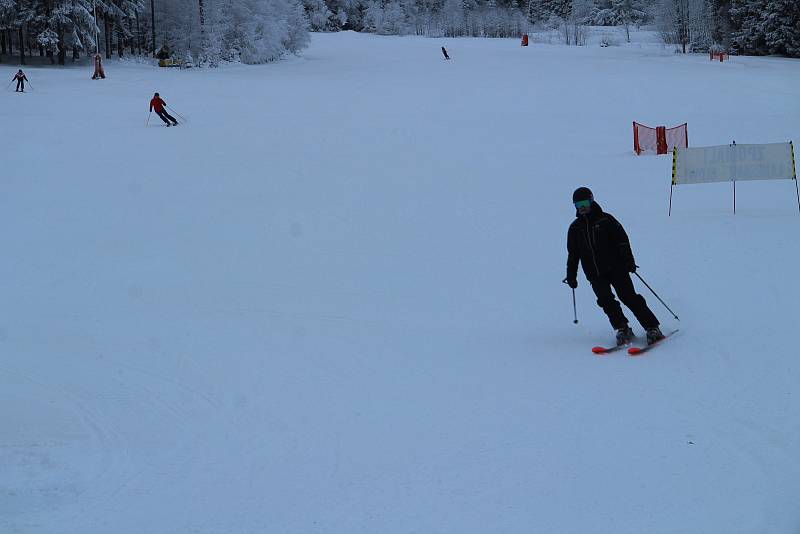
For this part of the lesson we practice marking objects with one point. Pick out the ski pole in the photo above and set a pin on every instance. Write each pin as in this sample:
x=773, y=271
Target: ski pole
x=148, y=119
x=9, y=84
x=178, y=114
x=31, y=86
x=574, y=307
x=656, y=295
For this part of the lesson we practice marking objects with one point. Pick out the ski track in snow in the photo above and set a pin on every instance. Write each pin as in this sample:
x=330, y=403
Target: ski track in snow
x=331, y=301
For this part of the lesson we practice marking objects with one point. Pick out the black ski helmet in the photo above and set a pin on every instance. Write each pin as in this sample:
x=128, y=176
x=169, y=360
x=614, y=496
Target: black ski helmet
x=582, y=193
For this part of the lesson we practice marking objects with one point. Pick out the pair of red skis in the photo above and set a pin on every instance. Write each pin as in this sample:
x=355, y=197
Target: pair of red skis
x=632, y=351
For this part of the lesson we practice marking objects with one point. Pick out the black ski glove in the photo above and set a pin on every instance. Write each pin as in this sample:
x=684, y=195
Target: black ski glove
x=571, y=282
x=632, y=267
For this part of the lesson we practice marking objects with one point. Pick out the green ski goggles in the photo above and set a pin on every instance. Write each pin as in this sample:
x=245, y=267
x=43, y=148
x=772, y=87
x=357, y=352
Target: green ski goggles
x=583, y=204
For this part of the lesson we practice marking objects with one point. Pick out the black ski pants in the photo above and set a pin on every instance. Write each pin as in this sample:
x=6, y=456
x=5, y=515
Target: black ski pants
x=166, y=117
x=20, y=85
x=623, y=285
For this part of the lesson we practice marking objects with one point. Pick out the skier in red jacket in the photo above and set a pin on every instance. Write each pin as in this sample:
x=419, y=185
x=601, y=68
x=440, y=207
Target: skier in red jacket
x=159, y=106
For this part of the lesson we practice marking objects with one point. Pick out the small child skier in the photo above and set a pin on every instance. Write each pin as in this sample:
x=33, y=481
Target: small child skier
x=21, y=79
x=157, y=104
x=444, y=51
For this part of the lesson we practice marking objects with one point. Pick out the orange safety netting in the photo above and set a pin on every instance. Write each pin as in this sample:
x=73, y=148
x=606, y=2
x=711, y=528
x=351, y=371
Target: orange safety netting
x=659, y=140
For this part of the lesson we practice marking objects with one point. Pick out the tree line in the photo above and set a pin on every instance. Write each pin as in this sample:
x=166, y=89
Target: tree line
x=255, y=31
x=54, y=28
x=753, y=27
x=252, y=31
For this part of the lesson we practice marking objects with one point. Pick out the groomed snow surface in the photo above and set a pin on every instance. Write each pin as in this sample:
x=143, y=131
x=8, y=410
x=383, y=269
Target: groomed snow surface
x=331, y=301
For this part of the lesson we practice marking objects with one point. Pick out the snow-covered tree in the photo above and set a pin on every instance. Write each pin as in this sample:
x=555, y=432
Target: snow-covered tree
x=319, y=16
x=766, y=26
x=251, y=30
x=629, y=12
x=257, y=31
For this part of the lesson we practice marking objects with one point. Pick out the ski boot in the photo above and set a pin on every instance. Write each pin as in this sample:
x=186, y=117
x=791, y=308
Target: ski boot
x=653, y=335
x=624, y=335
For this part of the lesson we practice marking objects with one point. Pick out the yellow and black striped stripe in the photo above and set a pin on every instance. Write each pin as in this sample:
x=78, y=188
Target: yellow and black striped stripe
x=675, y=166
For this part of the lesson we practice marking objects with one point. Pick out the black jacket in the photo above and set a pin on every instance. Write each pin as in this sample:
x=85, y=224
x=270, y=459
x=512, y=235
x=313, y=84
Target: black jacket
x=600, y=243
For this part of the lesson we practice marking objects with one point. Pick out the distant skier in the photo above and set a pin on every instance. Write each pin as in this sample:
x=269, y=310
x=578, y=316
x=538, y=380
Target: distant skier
x=21, y=79
x=99, y=71
x=444, y=51
x=598, y=241
x=159, y=105
x=163, y=53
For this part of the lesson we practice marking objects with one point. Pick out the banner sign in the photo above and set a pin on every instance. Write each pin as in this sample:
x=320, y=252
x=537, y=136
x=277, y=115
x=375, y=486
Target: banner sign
x=733, y=163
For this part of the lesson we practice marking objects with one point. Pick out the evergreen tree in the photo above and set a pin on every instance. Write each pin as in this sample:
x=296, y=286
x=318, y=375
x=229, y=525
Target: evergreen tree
x=766, y=26
x=250, y=30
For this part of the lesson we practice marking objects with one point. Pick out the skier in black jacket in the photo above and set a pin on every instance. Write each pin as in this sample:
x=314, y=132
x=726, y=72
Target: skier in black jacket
x=598, y=241
x=20, y=79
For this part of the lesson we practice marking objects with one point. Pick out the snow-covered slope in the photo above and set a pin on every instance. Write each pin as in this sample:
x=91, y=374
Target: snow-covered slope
x=331, y=301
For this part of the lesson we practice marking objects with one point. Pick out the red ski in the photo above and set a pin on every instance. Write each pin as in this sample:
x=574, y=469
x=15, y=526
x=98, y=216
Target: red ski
x=601, y=351
x=638, y=351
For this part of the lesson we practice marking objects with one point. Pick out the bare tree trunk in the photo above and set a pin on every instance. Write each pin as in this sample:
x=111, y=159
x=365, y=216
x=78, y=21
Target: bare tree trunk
x=682, y=8
x=153, y=24
x=138, y=35
x=120, y=41
x=202, y=21
x=133, y=39
x=49, y=50
x=203, y=39
x=21, y=45
x=108, y=37
x=62, y=49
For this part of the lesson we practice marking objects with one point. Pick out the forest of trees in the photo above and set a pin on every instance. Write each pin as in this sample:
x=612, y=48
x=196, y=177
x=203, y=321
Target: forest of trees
x=199, y=31
x=255, y=31
x=738, y=26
